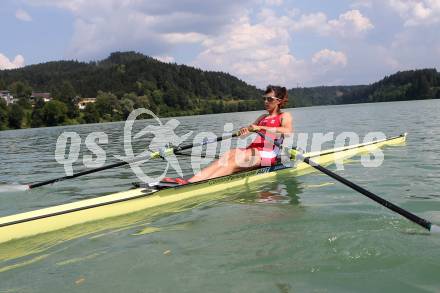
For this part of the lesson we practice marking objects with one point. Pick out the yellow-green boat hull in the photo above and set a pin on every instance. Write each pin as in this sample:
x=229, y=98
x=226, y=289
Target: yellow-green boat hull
x=134, y=200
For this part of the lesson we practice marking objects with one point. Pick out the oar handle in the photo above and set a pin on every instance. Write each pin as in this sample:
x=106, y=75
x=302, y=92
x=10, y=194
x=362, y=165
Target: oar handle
x=205, y=142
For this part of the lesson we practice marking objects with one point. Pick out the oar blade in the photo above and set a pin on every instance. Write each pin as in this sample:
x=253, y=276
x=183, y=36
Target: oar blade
x=435, y=229
x=13, y=188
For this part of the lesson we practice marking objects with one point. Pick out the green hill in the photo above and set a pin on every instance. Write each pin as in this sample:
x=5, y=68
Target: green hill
x=128, y=80
x=130, y=72
x=404, y=85
x=322, y=95
x=123, y=81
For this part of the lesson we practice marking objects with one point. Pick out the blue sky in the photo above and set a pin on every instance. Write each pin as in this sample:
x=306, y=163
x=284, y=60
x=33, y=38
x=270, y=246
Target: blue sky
x=286, y=42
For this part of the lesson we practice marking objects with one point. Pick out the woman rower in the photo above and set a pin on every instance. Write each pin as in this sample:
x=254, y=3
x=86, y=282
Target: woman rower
x=274, y=124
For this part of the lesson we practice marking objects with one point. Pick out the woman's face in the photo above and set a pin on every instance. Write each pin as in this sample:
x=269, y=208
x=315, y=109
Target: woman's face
x=271, y=102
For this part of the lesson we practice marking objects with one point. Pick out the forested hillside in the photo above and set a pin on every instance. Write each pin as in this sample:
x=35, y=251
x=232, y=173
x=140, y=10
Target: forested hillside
x=128, y=80
x=120, y=83
x=405, y=85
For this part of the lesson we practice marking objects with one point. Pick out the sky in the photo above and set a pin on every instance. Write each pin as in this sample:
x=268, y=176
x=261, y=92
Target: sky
x=285, y=42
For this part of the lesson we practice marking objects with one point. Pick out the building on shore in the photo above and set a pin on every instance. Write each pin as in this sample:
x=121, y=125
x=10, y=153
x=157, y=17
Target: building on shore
x=7, y=97
x=45, y=96
x=83, y=102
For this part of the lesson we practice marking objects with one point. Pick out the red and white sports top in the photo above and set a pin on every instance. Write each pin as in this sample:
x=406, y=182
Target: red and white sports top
x=266, y=148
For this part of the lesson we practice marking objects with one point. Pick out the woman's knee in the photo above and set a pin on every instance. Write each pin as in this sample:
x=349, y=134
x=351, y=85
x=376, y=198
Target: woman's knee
x=247, y=158
x=227, y=158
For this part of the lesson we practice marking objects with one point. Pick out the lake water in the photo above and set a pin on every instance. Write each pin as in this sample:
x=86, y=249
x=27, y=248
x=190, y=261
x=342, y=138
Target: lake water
x=322, y=237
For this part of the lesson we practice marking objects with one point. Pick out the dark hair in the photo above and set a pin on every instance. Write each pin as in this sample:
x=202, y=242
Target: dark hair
x=280, y=93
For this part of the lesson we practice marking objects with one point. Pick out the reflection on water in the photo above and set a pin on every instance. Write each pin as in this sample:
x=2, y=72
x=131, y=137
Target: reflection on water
x=14, y=254
x=284, y=189
x=278, y=195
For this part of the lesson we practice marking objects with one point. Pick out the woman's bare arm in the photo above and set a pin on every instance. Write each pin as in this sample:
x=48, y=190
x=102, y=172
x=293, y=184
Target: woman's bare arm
x=285, y=128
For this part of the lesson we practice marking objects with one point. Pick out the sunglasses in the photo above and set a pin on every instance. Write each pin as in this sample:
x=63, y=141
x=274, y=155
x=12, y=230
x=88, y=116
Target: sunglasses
x=269, y=99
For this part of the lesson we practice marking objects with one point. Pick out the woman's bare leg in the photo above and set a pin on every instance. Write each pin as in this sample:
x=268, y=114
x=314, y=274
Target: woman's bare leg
x=207, y=172
x=247, y=159
x=233, y=161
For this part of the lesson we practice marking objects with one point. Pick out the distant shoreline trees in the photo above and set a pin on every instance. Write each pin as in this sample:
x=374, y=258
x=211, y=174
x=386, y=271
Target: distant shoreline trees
x=126, y=81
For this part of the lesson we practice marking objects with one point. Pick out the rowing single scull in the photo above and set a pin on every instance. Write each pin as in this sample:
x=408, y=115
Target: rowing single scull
x=121, y=203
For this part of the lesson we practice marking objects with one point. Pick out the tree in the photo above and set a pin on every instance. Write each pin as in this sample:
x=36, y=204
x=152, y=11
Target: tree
x=183, y=101
x=108, y=106
x=54, y=113
x=22, y=92
x=130, y=96
x=37, y=116
x=91, y=115
x=150, y=85
x=157, y=97
x=67, y=95
x=424, y=87
x=16, y=115
x=142, y=102
x=171, y=98
x=218, y=107
x=145, y=102
x=4, y=115
x=204, y=90
x=127, y=106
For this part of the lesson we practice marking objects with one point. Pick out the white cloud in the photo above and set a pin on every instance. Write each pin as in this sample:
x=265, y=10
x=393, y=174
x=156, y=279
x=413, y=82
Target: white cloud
x=182, y=38
x=362, y=4
x=331, y=58
x=258, y=53
x=274, y=2
x=167, y=59
x=417, y=12
x=154, y=28
x=351, y=21
x=22, y=15
x=5, y=63
x=417, y=48
x=256, y=43
x=349, y=24
x=314, y=21
x=268, y=58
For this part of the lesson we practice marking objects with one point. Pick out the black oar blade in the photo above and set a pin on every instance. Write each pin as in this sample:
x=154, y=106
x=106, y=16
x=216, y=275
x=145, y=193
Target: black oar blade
x=389, y=205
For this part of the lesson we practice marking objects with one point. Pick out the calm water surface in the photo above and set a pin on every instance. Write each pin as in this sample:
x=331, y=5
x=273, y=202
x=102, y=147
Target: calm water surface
x=317, y=236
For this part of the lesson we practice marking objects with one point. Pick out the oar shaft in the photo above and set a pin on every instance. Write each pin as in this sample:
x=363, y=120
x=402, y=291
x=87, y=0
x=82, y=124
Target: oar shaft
x=205, y=142
x=389, y=205
x=123, y=163
x=39, y=184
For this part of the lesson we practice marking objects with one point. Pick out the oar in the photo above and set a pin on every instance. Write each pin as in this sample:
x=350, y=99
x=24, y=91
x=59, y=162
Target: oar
x=389, y=205
x=153, y=155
